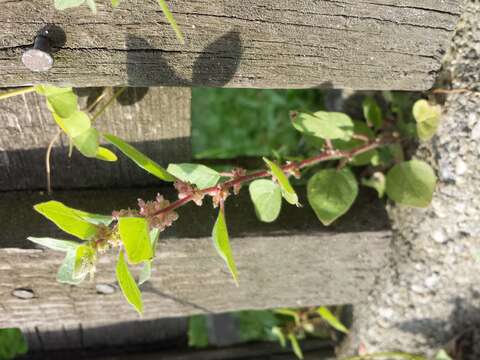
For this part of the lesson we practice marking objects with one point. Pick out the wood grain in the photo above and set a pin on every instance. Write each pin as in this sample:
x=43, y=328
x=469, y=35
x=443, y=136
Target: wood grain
x=292, y=262
x=155, y=120
x=360, y=44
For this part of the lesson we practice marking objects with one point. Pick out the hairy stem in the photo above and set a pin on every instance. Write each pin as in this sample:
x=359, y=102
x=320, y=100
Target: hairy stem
x=47, y=160
x=16, y=92
x=328, y=154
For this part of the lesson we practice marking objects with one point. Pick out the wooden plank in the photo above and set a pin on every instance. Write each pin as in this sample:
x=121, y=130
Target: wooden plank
x=313, y=349
x=292, y=262
x=360, y=44
x=156, y=120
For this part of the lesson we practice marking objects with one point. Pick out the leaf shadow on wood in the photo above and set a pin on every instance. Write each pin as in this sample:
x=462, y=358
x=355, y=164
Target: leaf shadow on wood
x=146, y=64
x=149, y=288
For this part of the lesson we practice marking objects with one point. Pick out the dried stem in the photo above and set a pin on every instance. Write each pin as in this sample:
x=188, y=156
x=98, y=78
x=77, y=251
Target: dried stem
x=108, y=103
x=16, y=92
x=328, y=154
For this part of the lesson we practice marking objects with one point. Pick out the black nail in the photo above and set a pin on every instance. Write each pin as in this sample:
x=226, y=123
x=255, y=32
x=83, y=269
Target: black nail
x=39, y=58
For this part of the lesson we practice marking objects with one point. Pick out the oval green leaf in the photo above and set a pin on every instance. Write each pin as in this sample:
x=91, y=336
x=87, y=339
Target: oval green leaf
x=372, y=113
x=61, y=101
x=105, y=154
x=360, y=128
x=200, y=175
x=65, y=272
x=222, y=244
x=85, y=259
x=427, y=117
x=135, y=238
x=70, y=220
x=146, y=271
x=331, y=319
x=411, y=183
x=13, y=343
x=378, y=182
x=55, y=244
x=267, y=199
x=140, y=159
x=324, y=125
x=87, y=142
x=287, y=190
x=331, y=193
x=74, y=125
x=127, y=283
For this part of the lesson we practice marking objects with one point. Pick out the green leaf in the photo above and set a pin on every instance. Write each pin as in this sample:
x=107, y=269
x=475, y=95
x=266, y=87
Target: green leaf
x=85, y=259
x=360, y=128
x=87, y=142
x=442, y=355
x=280, y=336
x=331, y=193
x=69, y=220
x=372, y=113
x=61, y=101
x=289, y=312
x=105, y=154
x=138, y=158
x=255, y=325
x=65, y=272
x=92, y=5
x=222, y=244
x=115, y=3
x=287, y=190
x=55, y=244
x=325, y=125
x=267, y=199
x=427, y=117
x=297, y=350
x=65, y=4
x=12, y=343
x=377, y=182
x=146, y=271
x=127, y=283
x=198, y=331
x=76, y=124
x=411, y=183
x=200, y=175
x=171, y=20
x=135, y=237
x=331, y=319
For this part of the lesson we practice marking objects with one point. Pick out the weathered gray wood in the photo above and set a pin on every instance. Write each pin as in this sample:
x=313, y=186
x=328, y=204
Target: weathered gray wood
x=155, y=120
x=362, y=44
x=292, y=262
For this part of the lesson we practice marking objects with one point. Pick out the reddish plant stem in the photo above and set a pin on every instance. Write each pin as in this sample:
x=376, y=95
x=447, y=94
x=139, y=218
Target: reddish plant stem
x=324, y=156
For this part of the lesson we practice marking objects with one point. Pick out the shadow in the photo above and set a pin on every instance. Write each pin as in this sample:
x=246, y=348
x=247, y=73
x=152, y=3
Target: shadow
x=122, y=337
x=463, y=336
x=131, y=95
x=145, y=64
x=55, y=34
x=148, y=288
x=25, y=169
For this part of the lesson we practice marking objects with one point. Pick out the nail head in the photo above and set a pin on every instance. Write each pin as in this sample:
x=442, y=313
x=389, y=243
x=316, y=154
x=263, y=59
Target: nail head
x=23, y=293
